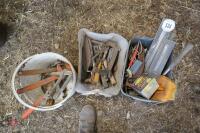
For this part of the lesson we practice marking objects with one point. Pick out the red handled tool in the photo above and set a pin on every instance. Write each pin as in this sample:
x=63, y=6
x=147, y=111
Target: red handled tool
x=135, y=52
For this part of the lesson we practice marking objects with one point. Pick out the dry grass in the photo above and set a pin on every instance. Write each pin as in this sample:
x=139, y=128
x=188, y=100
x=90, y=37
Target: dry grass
x=42, y=26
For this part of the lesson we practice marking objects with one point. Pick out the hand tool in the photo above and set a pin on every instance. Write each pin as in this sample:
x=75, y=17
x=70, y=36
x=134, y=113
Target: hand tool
x=67, y=66
x=36, y=103
x=43, y=71
x=88, y=53
x=105, y=53
x=27, y=112
x=36, y=84
x=105, y=64
x=113, y=80
x=58, y=73
x=178, y=58
x=59, y=68
x=166, y=27
x=53, y=90
x=95, y=49
x=160, y=59
x=112, y=45
x=113, y=53
x=36, y=71
x=63, y=87
x=96, y=74
x=133, y=58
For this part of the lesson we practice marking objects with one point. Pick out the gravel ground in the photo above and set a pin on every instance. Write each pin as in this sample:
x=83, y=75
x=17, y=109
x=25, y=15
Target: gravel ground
x=38, y=26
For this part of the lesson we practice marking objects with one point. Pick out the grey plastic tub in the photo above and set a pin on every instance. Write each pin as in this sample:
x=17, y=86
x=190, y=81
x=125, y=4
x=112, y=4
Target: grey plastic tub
x=146, y=42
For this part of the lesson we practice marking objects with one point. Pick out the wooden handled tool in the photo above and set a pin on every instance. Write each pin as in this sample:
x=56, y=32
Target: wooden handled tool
x=37, y=84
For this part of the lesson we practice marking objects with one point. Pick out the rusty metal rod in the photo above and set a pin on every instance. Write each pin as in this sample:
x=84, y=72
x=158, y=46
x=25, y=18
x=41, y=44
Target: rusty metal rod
x=37, y=84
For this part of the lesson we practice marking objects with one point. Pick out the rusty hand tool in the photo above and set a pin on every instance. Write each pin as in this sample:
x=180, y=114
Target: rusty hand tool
x=58, y=73
x=63, y=87
x=89, y=53
x=67, y=66
x=112, y=56
x=59, y=68
x=36, y=71
x=105, y=53
x=36, y=103
x=62, y=65
x=37, y=84
x=53, y=90
x=27, y=112
x=108, y=43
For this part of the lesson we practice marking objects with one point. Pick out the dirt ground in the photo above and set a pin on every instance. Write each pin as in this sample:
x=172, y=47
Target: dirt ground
x=38, y=26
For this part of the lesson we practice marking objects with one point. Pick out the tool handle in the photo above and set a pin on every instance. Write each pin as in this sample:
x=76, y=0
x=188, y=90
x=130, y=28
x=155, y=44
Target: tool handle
x=133, y=57
x=179, y=58
x=37, y=84
x=28, y=112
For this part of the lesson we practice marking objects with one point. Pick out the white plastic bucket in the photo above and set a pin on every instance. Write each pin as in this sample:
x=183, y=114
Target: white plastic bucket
x=40, y=61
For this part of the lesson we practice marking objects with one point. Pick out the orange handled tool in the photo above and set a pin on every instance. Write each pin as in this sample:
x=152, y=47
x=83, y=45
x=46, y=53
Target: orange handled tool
x=27, y=112
x=37, y=84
